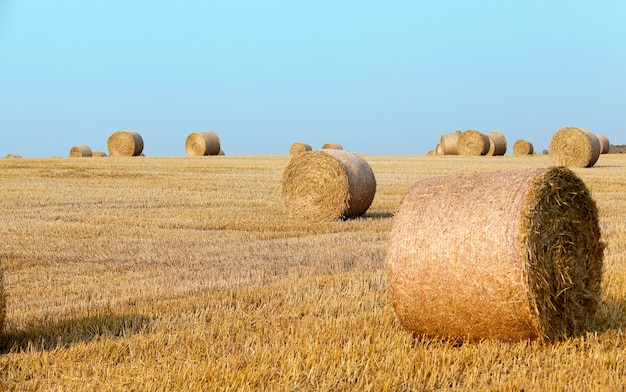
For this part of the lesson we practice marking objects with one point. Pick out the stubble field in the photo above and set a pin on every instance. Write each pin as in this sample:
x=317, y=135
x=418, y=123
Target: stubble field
x=181, y=273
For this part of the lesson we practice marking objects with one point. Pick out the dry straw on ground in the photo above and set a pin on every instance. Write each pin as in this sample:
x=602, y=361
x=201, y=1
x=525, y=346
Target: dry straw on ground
x=605, y=145
x=510, y=255
x=449, y=143
x=298, y=147
x=125, y=144
x=473, y=143
x=204, y=143
x=332, y=146
x=523, y=147
x=80, y=151
x=498, y=143
x=327, y=185
x=574, y=147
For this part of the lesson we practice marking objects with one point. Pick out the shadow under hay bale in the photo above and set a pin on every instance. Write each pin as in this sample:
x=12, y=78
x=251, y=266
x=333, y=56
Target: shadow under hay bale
x=574, y=147
x=298, y=147
x=523, y=147
x=497, y=256
x=80, y=151
x=204, y=143
x=125, y=144
x=328, y=185
x=473, y=143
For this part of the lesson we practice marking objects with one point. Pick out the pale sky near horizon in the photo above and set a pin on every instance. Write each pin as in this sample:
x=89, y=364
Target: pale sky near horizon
x=379, y=78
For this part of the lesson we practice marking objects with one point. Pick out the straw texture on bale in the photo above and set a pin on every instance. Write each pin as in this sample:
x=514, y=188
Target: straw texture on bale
x=332, y=146
x=125, y=144
x=80, y=151
x=523, y=147
x=473, y=143
x=204, y=143
x=574, y=147
x=509, y=255
x=299, y=147
x=499, y=143
x=328, y=185
x=605, y=145
x=450, y=143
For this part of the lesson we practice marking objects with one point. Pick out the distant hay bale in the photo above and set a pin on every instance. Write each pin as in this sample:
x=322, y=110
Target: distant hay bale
x=125, y=144
x=432, y=152
x=473, y=143
x=299, y=147
x=98, y=154
x=332, y=146
x=492, y=147
x=605, y=145
x=221, y=153
x=523, y=147
x=80, y=151
x=497, y=256
x=327, y=185
x=202, y=143
x=439, y=150
x=13, y=156
x=499, y=143
x=449, y=143
x=574, y=147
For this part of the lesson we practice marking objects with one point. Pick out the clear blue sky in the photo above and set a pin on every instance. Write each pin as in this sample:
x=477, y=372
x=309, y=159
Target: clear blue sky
x=377, y=77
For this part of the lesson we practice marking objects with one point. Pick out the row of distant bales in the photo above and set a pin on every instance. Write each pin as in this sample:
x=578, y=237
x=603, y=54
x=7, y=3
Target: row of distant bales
x=569, y=146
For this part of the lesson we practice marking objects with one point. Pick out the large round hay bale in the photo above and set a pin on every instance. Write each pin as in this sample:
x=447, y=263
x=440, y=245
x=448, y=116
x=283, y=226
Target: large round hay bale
x=80, y=151
x=332, y=146
x=574, y=147
x=473, y=143
x=450, y=142
x=497, y=256
x=605, y=145
x=202, y=143
x=523, y=147
x=328, y=184
x=499, y=142
x=298, y=147
x=125, y=144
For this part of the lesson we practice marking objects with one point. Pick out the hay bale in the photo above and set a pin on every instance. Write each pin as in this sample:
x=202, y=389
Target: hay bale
x=299, y=147
x=332, y=146
x=221, y=153
x=574, y=147
x=499, y=142
x=98, y=154
x=80, y=151
x=492, y=147
x=497, y=256
x=13, y=156
x=449, y=142
x=605, y=145
x=439, y=150
x=202, y=143
x=432, y=152
x=473, y=143
x=125, y=144
x=327, y=185
x=523, y=147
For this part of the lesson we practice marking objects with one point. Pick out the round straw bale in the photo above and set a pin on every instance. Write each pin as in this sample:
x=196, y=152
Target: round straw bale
x=499, y=142
x=299, y=147
x=13, y=156
x=125, y=144
x=492, y=147
x=510, y=255
x=221, y=153
x=98, y=154
x=327, y=185
x=473, y=143
x=332, y=146
x=432, y=152
x=439, y=150
x=202, y=143
x=574, y=147
x=450, y=142
x=605, y=145
x=80, y=151
x=523, y=147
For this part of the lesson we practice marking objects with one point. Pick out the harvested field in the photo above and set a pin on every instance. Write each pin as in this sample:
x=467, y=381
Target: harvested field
x=188, y=274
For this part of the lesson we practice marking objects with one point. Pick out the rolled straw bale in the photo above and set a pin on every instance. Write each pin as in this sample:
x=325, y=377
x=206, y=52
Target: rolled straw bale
x=497, y=256
x=439, y=150
x=125, y=144
x=299, y=147
x=80, y=151
x=492, y=147
x=13, y=156
x=574, y=147
x=605, y=145
x=332, y=146
x=473, y=143
x=98, y=154
x=432, y=152
x=327, y=185
x=449, y=142
x=202, y=143
x=523, y=147
x=499, y=142
x=221, y=153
